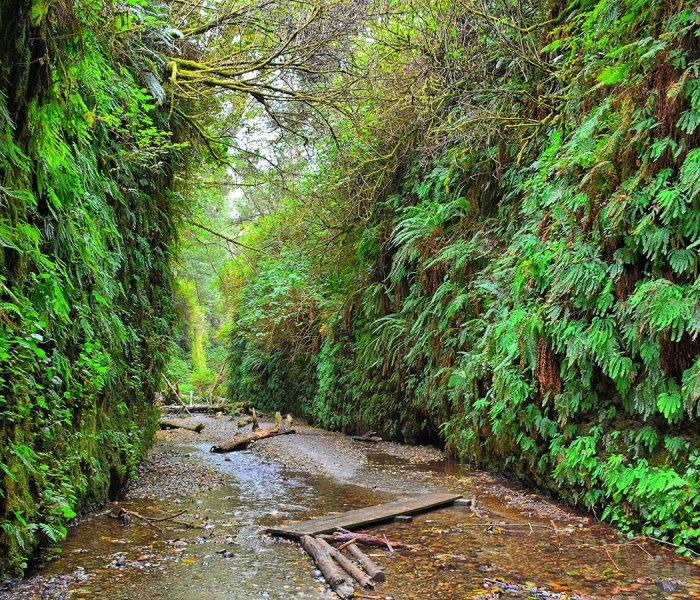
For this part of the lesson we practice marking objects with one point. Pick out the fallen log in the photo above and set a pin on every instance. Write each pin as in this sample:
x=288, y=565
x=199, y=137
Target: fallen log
x=370, y=436
x=241, y=442
x=181, y=424
x=197, y=408
x=363, y=579
x=371, y=568
x=331, y=572
x=364, y=539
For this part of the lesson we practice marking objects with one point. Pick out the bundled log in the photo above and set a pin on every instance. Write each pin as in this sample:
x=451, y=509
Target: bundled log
x=241, y=442
x=364, y=539
x=371, y=568
x=370, y=436
x=348, y=566
x=332, y=573
x=181, y=424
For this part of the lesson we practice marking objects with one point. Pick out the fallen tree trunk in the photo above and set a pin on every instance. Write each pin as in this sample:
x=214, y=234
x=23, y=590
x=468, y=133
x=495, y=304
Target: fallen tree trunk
x=371, y=568
x=363, y=538
x=348, y=566
x=181, y=424
x=241, y=442
x=370, y=436
x=196, y=408
x=332, y=573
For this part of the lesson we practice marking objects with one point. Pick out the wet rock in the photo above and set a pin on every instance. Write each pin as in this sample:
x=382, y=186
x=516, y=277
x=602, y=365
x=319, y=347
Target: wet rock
x=668, y=585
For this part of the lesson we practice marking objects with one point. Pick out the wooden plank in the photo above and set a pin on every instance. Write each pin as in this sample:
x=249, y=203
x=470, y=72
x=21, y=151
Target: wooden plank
x=365, y=516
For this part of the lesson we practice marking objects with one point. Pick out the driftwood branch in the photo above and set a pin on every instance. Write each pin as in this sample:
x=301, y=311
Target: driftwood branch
x=176, y=393
x=364, y=539
x=370, y=436
x=125, y=515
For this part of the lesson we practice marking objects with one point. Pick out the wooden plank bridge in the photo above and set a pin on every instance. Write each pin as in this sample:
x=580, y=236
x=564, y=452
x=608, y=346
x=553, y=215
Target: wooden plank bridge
x=365, y=516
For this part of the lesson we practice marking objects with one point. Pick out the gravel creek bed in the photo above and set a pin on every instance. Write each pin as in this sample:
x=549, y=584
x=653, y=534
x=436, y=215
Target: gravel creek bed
x=513, y=543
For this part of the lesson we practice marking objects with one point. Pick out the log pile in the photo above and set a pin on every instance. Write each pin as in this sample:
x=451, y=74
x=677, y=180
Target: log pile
x=342, y=572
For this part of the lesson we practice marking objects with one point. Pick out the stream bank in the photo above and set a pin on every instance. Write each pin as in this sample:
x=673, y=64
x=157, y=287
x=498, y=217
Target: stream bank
x=514, y=540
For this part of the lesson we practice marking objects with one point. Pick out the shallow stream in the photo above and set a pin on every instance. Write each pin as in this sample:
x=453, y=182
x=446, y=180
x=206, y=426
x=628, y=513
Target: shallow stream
x=513, y=544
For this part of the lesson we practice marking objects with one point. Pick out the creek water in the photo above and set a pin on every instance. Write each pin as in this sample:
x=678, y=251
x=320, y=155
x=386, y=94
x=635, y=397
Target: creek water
x=514, y=544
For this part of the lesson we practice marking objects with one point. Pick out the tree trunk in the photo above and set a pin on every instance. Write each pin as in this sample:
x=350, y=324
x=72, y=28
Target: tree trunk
x=196, y=408
x=241, y=442
x=181, y=424
x=370, y=567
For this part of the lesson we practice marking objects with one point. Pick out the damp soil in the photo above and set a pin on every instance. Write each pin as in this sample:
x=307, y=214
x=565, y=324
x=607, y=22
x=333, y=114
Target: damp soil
x=512, y=543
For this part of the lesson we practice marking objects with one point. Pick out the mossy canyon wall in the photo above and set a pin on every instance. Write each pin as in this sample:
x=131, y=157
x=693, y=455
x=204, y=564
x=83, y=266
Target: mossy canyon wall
x=524, y=285
x=86, y=229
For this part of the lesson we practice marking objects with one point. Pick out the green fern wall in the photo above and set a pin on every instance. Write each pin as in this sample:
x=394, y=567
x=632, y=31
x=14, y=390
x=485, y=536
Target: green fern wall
x=86, y=231
x=533, y=301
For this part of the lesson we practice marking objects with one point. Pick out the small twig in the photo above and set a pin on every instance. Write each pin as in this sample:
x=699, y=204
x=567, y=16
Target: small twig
x=612, y=560
x=346, y=544
x=556, y=532
x=677, y=546
x=146, y=520
x=391, y=549
x=158, y=520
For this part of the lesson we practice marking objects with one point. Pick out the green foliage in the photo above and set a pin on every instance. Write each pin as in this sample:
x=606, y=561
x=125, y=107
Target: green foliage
x=528, y=294
x=86, y=230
